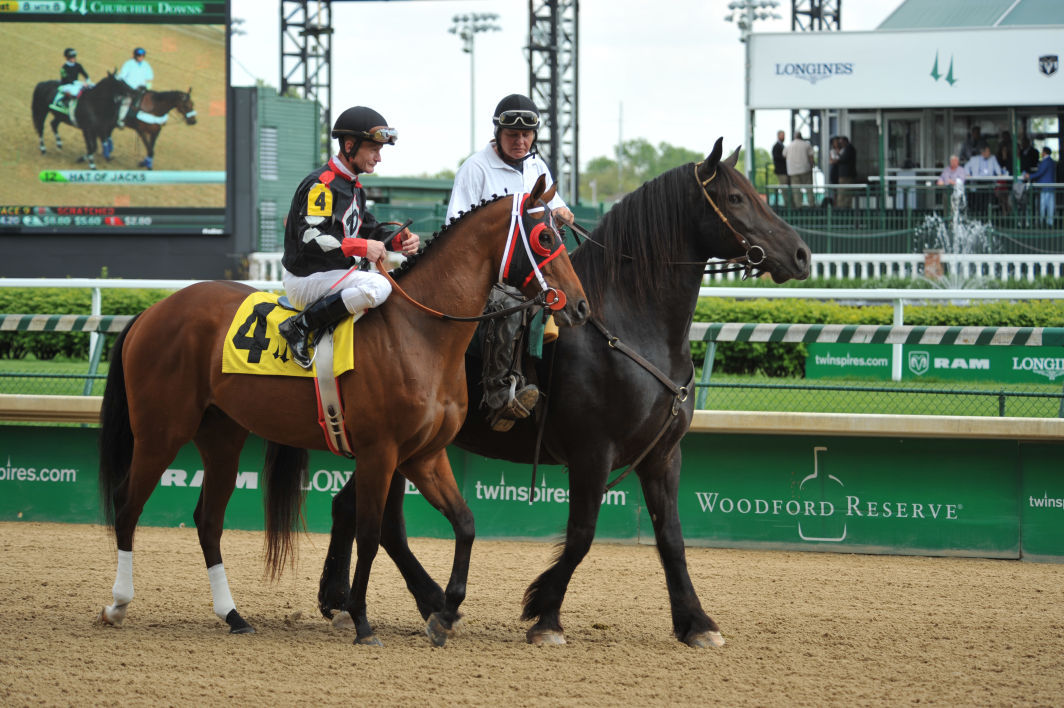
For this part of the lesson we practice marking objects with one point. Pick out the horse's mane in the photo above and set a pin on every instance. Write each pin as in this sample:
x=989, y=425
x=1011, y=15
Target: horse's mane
x=638, y=237
x=444, y=231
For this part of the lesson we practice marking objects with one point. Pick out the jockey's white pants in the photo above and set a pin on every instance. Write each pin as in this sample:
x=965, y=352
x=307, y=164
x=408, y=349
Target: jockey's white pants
x=361, y=289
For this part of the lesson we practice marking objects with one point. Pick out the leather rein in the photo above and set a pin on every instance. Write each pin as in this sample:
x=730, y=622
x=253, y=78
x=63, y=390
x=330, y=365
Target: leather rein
x=548, y=297
x=754, y=255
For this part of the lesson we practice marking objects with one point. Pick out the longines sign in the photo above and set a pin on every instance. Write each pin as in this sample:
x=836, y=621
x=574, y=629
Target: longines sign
x=910, y=69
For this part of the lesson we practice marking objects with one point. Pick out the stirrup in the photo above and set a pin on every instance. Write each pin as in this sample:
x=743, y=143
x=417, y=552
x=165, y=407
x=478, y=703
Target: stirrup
x=519, y=406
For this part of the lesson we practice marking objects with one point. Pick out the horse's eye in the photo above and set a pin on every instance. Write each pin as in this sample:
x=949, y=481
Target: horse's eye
x=546, y=239
x=735, y=199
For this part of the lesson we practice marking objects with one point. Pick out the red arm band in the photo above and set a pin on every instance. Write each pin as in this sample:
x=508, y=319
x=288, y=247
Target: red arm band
x=354, y=247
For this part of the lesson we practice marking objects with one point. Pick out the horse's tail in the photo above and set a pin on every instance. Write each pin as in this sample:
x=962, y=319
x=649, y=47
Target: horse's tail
x=116, y=434
x=42, y=98
x=283, y=490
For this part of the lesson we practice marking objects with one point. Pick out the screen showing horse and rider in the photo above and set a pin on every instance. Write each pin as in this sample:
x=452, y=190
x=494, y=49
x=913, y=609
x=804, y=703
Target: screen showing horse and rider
x=114, y=123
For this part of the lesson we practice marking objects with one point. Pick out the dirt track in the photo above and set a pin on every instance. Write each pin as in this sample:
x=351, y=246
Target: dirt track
x=181, y=57
x=802, y=629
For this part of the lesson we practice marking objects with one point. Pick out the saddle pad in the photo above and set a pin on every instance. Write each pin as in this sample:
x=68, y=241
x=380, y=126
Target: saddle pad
x=254, y=346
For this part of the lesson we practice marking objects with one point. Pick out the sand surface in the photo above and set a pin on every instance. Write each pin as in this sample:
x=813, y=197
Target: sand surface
x=801, y=629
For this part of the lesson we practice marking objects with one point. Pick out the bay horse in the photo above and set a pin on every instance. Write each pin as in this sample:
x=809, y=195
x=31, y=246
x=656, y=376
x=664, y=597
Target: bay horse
x=405, y=400
x=642, y=268
x=149, y=117
x=95, y=114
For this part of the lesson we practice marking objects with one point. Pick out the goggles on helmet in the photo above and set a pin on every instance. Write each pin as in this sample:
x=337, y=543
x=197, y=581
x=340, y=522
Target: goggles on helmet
x=519, y=119
x=385, y=136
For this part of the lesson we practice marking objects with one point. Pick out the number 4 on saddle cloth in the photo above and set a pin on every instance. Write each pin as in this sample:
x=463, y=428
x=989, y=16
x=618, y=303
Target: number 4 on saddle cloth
x=254, y=346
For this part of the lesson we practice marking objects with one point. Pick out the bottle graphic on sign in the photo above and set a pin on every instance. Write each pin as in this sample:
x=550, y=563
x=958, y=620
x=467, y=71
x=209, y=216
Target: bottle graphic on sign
x=819, y=512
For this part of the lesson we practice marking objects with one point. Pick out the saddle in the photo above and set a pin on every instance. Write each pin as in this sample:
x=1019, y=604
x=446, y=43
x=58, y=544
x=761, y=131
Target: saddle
x=254, y=346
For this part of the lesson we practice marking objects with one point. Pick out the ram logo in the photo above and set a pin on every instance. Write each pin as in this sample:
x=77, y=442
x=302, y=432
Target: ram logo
x=919, y=362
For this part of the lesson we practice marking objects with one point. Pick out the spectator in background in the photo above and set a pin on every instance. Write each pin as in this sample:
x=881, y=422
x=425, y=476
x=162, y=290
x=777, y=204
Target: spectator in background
x=833, y=170
x=847, y=170
x=779, y=166
x=972, y=146
x=799, y=156
x=981, y=167
x=1004, y=158
x=954, y=173
x=1044, y=174
x=1028, y=155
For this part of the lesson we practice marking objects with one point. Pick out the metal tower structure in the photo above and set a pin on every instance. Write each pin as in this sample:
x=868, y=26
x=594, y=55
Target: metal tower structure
x=813, y=16
x=306, y=52
x=553, y=87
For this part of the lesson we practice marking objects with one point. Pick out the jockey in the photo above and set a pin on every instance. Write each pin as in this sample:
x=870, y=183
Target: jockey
x=138, y=75
x=506, y=165
x=328, y=233
x=69, y=85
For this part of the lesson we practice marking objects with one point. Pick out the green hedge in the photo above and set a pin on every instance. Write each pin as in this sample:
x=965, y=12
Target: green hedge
x=739, y=357
x=65, y=301
x=777, y=359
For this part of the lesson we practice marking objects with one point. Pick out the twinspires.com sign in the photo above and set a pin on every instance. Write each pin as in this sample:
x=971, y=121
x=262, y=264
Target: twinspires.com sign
x=848, y=494
x=938, y=361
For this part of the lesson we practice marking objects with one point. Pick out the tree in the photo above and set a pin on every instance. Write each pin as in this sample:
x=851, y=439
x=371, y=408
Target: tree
x=606, y=179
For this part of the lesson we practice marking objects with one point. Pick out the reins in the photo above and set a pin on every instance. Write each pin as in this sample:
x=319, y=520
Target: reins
x=679, y=393
x=548, y=297
x=745, y=262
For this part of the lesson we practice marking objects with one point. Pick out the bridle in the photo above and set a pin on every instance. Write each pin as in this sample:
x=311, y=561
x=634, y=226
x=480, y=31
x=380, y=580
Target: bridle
x=549, y=297
x=752, y=257
x=746, y=261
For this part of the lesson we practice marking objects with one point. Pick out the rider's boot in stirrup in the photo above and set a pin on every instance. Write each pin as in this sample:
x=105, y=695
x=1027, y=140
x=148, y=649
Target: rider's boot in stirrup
x=507, y=395
x=297, y=329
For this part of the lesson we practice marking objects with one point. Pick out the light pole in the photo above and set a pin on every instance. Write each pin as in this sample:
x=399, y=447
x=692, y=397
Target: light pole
x=466, y=27
x=743, y=13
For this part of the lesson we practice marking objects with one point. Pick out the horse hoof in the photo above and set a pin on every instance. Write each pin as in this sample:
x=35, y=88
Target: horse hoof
x=436, y=630
x=237, y=624
x=544, y=637
x=370, y=640
x=112, y=616
x=705, y=640
x=343, y=620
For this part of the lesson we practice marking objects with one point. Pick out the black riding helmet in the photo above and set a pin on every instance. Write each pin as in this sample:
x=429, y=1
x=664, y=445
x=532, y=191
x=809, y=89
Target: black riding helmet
x=69, y=53
x=357, y=122
x=518, y=112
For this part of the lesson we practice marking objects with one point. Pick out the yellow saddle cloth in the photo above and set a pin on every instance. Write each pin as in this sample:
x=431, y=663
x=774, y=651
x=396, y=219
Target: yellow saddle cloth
x=254, y=346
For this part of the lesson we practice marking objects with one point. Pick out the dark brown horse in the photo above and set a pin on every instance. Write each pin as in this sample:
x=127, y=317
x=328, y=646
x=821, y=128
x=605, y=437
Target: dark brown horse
x=405, y=400
x=642, y=270
x=96, y=114
x=150, y=115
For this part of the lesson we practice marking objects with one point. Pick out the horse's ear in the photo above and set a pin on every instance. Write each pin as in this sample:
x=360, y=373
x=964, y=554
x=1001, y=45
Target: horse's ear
x=538, y=188
x=189, y=90
x=549, y=194
x=709, y=165
x=733, y=159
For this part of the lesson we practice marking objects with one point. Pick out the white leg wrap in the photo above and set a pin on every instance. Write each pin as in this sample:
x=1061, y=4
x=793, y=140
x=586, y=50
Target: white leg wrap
x=122, y=591
x=223, y=599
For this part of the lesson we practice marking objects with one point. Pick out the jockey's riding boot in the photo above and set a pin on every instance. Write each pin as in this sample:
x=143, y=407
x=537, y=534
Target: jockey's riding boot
x=297, y=329
x=507, y=394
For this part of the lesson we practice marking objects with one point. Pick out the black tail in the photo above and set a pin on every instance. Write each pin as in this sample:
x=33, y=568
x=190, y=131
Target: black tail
x=283, y=490
x=43, y=94
x=116, y=435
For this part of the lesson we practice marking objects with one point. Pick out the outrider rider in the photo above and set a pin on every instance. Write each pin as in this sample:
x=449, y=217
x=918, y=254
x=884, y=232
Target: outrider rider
x=328, y=233
x=506, y=165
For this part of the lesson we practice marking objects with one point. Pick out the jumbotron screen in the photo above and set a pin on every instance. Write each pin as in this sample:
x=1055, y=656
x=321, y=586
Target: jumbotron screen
x=114, y=116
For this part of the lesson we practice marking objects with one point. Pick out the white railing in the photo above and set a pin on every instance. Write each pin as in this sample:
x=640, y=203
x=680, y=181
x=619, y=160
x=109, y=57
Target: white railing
x=998, y=266
x=848, y=266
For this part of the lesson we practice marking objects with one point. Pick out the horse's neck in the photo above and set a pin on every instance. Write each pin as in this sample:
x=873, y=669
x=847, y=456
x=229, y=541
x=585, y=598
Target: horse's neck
x=455, y=275
x=665, y=311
